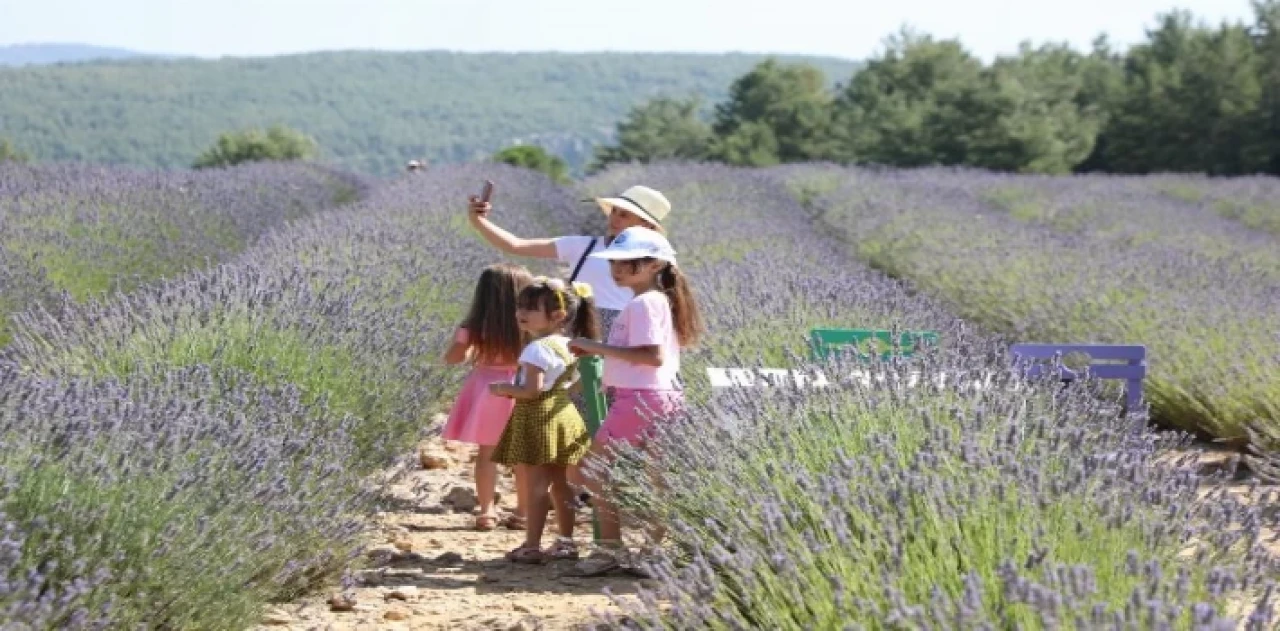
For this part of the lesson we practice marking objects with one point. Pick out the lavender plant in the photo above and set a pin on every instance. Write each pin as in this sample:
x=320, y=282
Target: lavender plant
x=85, y=230
x=887, y=506
x=1015, y=506
x=214, y=437
x=1203, y=317
x=1128, y=211
x=1252, y=201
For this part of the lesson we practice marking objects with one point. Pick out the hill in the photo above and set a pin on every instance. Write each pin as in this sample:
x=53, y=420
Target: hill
x=39, y=54
x=370, y=111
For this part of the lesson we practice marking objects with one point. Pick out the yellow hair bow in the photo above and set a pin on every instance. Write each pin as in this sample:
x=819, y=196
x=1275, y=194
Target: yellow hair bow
x=582, y=289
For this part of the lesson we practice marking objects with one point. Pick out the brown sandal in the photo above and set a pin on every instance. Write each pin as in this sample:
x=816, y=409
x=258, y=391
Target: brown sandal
x=514, y=522
x=527, y=555
x=486, y=522
x=563, y=549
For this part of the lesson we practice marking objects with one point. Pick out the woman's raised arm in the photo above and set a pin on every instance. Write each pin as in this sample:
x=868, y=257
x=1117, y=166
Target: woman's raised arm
x=477, y=213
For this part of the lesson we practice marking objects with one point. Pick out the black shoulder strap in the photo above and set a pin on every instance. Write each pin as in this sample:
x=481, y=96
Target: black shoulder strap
x=582, y=260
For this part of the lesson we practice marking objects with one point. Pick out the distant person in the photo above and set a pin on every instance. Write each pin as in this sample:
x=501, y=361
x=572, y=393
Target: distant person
x=414, y=165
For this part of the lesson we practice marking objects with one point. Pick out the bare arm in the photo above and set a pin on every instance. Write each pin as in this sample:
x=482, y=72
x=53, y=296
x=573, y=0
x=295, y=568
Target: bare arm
x=457, y=353
x=648, y=355
x=533, y=377
x=503, y=240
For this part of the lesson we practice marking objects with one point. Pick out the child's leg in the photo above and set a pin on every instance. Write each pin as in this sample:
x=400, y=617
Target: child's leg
x=538, y=482
x=486, y=472
x=606, y=514
x=522, y=490
x=562, y=497
x=565, y=547
x=655, y=527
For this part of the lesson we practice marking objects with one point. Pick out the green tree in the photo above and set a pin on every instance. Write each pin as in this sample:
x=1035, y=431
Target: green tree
x=253, y=145
x=1102, y=87
x=536, y=158
x=1267, y=40
x=1044, y=124
x=10, y=153
x=775, y=113
x=1191, y=102
x=660, y=129
x=919, y=103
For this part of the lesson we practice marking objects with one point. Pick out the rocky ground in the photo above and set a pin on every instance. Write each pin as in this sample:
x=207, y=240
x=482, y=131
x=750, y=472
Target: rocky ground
x=430, y=568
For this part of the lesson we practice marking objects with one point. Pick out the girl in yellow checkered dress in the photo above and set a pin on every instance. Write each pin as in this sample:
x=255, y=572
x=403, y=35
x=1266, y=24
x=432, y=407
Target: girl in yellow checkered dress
x=546, y=434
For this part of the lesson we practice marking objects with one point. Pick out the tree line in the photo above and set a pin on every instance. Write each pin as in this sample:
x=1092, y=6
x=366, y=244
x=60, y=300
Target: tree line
x=1190, y=98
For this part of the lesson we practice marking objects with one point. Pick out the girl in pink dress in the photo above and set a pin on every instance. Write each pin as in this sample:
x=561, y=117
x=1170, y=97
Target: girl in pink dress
x=490, y=338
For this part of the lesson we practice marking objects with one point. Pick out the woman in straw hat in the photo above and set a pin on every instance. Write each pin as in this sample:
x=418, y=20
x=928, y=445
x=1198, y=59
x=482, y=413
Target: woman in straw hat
x=636, y=206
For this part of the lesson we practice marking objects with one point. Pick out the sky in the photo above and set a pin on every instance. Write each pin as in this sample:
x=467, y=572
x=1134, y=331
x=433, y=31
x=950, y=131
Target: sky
x=852, y=29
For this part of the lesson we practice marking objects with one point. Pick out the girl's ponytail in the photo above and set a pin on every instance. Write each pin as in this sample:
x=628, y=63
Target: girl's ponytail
x=684, y=308
x=586, y=323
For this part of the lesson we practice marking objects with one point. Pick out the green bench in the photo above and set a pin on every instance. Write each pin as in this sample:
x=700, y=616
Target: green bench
x=866, y=343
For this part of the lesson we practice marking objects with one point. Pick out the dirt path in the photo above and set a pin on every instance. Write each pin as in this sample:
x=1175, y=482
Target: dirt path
x=433, y=570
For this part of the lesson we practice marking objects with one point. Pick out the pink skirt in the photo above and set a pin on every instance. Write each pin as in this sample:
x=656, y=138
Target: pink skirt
x=634, y=413
x=477, y=416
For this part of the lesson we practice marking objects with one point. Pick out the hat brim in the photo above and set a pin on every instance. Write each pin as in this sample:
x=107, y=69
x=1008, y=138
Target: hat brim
x=621, y=255
x=607, y=203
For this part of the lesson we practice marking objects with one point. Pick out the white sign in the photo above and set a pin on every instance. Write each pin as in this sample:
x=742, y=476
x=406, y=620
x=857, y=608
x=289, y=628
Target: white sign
x=815, y=378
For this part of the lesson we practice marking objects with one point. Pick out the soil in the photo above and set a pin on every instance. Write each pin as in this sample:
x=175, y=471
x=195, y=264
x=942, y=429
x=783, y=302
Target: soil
x=431, y=569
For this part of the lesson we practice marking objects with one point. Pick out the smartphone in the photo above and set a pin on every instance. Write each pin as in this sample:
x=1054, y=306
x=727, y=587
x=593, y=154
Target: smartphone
x=487, y=192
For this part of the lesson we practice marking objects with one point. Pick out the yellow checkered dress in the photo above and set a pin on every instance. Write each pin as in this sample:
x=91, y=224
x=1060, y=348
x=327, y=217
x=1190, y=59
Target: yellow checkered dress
x=547, y=429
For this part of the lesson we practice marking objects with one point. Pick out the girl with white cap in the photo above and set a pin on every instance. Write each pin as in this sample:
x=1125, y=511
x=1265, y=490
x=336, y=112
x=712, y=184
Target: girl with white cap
x=641, y=364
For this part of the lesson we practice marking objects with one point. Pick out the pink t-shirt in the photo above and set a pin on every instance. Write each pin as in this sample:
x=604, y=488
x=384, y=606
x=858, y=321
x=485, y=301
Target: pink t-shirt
x=645, y=321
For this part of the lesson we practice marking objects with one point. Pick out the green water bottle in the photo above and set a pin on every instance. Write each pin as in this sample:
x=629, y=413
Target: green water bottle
x=591, y=371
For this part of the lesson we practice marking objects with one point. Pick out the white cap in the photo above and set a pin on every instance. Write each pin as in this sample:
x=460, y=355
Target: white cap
x=638, y=242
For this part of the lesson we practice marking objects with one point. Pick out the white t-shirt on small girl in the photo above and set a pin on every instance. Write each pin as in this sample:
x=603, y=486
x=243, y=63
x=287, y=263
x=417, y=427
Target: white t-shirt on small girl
x=538, y=354
x=647, y=320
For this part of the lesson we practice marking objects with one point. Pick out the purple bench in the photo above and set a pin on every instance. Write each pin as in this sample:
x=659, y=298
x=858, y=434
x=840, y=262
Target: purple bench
x=1127, y=362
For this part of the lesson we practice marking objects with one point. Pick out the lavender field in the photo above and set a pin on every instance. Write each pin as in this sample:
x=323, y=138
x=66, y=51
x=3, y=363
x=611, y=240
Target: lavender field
x=180, y=454
x=72, y=230
x=1096, y=259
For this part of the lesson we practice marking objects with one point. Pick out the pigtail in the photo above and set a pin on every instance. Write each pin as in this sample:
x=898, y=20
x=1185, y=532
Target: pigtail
x=586, y=322
x=684, y=308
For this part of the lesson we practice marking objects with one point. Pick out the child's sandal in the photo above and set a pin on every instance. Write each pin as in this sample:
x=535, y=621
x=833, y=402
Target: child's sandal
x=525, y=554
x=602, y=561
x=563, y=549
x=486, y=522
x=514, y=522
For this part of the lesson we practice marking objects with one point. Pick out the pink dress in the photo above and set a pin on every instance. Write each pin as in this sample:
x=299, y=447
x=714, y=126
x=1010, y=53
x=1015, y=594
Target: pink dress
x=479, y=417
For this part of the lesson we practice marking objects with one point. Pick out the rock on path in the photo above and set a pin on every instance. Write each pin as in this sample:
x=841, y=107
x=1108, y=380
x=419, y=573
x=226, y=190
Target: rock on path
x=430, y=569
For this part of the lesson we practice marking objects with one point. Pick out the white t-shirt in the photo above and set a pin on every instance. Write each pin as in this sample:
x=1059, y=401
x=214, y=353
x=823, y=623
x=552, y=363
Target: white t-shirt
x=595, y=272
x=538, y=354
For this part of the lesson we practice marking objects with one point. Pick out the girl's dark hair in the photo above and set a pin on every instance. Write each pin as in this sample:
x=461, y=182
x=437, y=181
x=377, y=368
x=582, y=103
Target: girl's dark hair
x=495, y=334
x=684, y=308
x=685, y=316
x=541, y=295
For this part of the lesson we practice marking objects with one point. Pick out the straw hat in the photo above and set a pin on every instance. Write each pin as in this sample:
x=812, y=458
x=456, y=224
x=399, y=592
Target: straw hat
x=645, y=202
